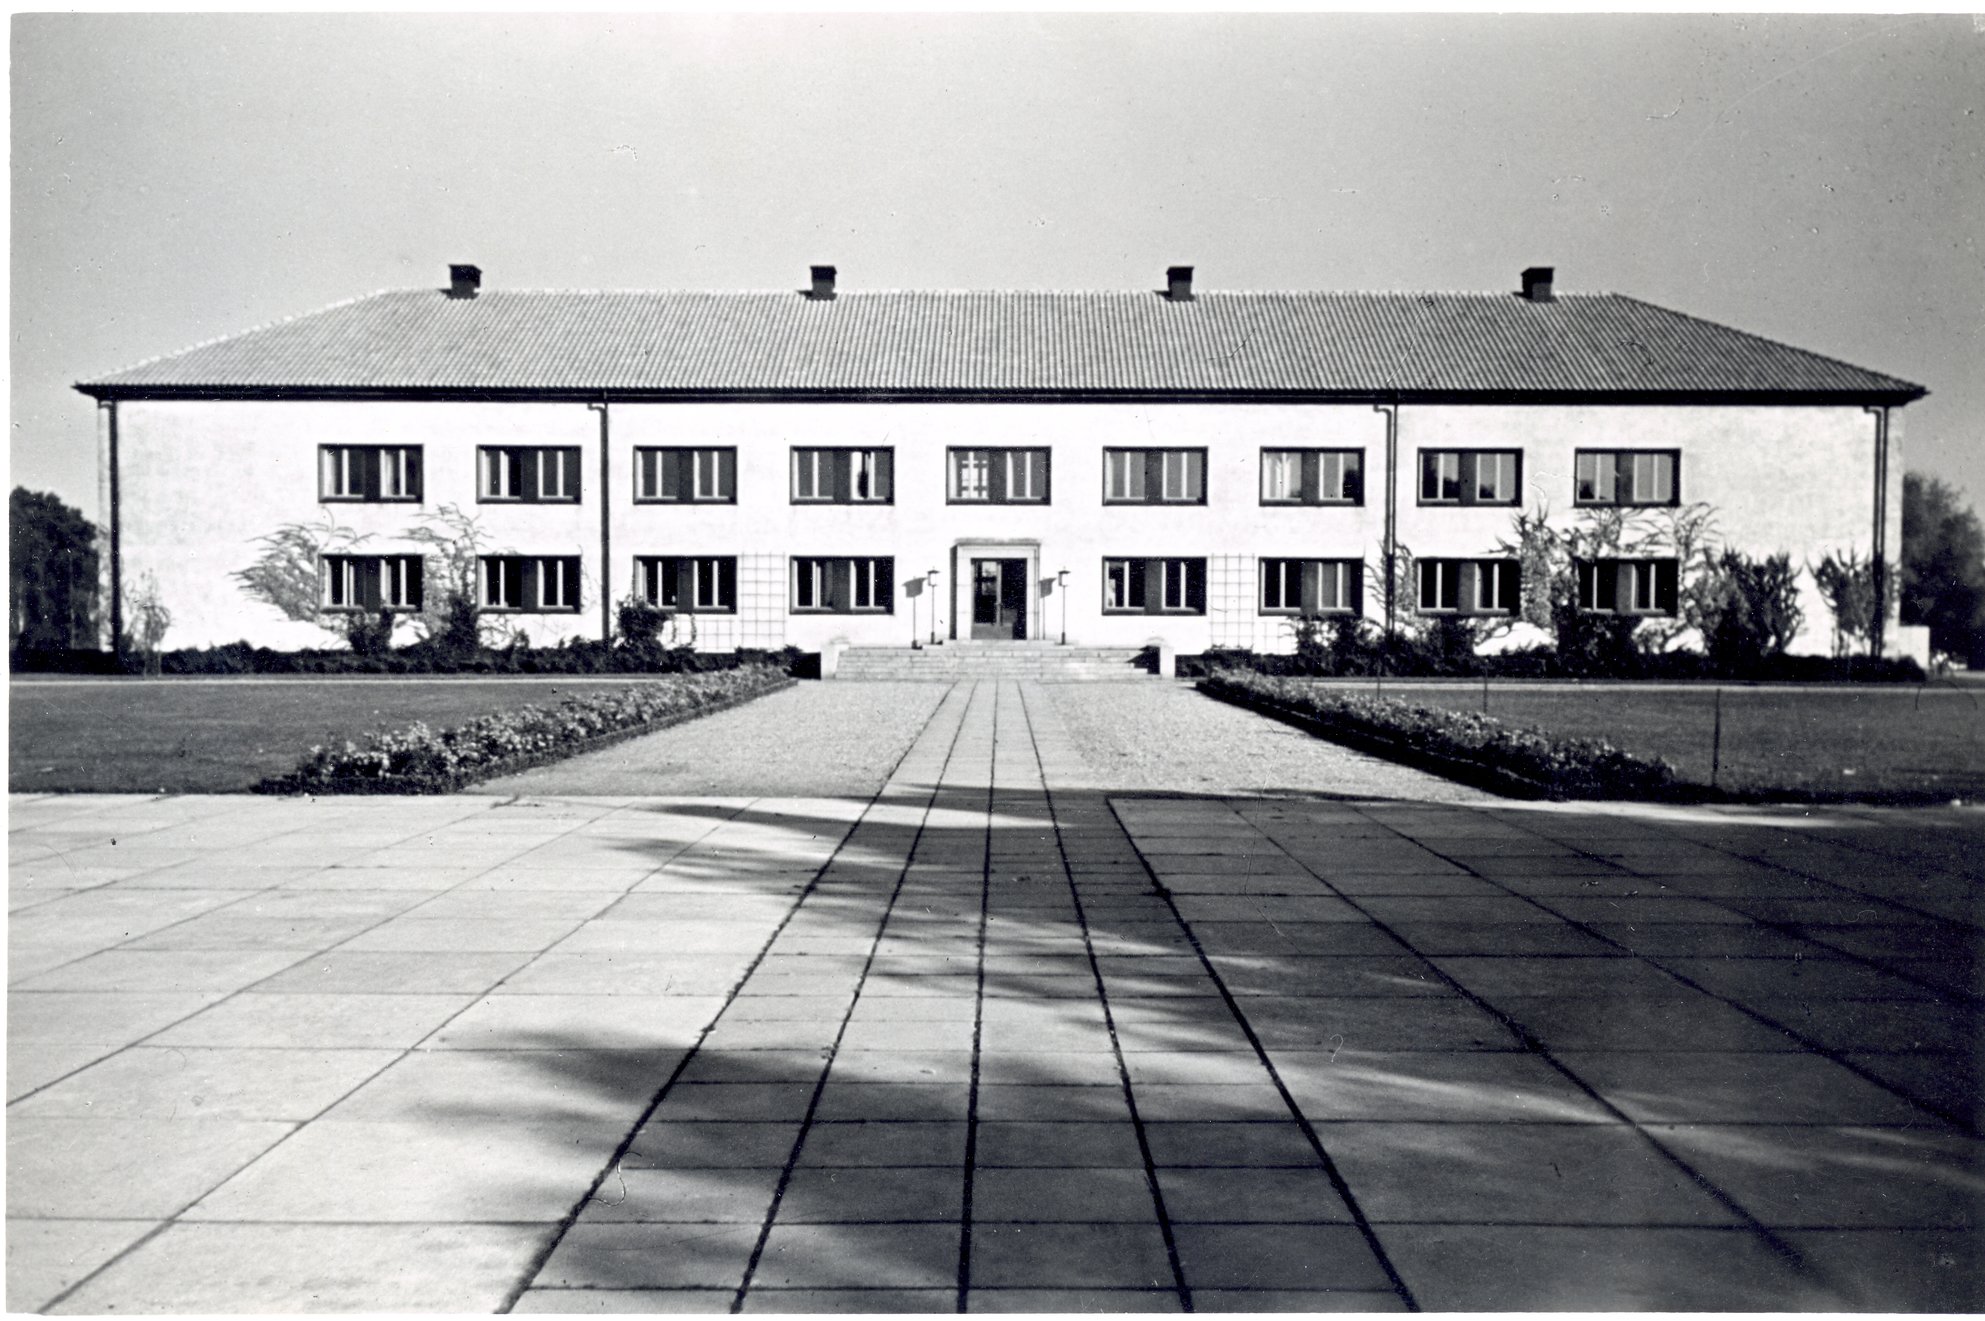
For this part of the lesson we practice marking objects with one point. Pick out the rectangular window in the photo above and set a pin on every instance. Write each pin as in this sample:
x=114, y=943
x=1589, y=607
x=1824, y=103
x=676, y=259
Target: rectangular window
x=373, y=474
x=998, y=476
x=1469, y=587
x=541, y=584
x=843, y=476
x=689, y=584
x=1312, y=477
x=372, y=582
x=1310, y=587
x=1154, y=476
x=1629, y=587
x=527, y=474
x=1470, y=477
x=1627, y=477
x=1154, y=586
x=841, y=585
x=686, y=476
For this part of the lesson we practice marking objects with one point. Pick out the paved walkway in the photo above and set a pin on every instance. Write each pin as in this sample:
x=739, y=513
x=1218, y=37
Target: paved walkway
x=992, y=1037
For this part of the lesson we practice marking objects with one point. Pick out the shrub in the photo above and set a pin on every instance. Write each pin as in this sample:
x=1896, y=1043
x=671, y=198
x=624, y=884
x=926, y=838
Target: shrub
x=1497, y=753
x=369, y=635
x=418, y=759
x=1750, y=610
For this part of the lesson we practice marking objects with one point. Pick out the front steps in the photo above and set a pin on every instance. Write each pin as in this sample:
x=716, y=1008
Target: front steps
x=953, y=661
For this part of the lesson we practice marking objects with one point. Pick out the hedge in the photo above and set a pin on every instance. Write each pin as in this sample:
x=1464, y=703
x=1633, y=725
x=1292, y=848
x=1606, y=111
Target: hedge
x=1516, y=760
x=577, y=657
x=1409, y=661
x=419, y=760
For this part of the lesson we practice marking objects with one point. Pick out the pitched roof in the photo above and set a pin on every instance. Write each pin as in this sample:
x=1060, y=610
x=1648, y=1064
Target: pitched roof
x=418, y=341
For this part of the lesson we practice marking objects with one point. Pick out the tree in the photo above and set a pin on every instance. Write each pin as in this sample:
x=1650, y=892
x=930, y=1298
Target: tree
x=53, y=583
x=1943, y=567
x=1847, y=584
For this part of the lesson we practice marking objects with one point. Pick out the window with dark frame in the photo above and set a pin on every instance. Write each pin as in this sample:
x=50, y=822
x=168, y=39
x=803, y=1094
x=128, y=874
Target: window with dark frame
x=1312, y=477
x=369, y=474
x=373, y=582
x=527, y=474
x=1648, y=478
x=688, y=584
x=996, y=476
x=843, y=585
x=1471, y=477
x=843, y=476
x=1629, y=587
x=1172, y=586
x=1468, y=587
x=679, y=475
x=529, y=584
x=1154, y=476
x=1311, y=587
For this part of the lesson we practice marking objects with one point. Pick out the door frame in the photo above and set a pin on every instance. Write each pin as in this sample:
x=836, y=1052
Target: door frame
x=1017, y=548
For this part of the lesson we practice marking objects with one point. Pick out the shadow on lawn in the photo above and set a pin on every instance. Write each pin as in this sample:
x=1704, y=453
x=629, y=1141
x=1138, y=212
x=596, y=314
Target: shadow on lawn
x=1453, y=1102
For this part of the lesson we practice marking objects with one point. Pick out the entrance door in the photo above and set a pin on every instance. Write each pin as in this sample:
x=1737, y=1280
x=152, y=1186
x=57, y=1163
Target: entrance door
x=999, y=599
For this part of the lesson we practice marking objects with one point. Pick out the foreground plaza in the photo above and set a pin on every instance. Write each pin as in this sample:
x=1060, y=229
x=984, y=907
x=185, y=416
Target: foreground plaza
x=992, y=996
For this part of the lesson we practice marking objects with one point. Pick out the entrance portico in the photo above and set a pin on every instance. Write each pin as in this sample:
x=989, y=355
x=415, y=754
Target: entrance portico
x=995, y=590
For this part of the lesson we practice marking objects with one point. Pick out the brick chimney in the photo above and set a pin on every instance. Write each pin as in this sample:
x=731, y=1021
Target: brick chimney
x=1537, y=284
x=823, y=284
x=464, y=281
x=1178, y=284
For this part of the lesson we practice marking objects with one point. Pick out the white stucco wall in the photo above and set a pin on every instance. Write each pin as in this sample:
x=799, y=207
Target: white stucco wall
x=201, y=480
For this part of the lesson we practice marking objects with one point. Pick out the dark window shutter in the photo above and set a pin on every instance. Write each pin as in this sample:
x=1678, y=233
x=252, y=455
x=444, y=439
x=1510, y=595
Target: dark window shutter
x=840, y=582
x=416, y=478
x=368, y=582
x=1511, y=574
x=524, y=470
x=1468, y=591
x=416, y=582
x=1195, y=586
x=1667, y=587
x=674, y=476
x=1195, y=476
x=1312, y=478
x=1469, y=472
x=331, y=581
x=367, y=457
x=1354, y=587
x=727, y=583
x=727, y=474
x=885, y=588
x=997, y=489
x=1312, y=575
x=527, y=583
x=575, y=473
x=1154, y=476
x=1354, y=476
x=885, y=475
x=1154, y=587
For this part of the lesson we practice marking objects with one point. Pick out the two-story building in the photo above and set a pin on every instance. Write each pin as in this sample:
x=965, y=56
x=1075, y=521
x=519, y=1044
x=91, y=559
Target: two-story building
x=797, y=467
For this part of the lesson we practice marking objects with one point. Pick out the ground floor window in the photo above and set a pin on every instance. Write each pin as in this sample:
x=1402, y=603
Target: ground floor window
x=1310, y=587
x=1469, y=587
x=1154, y=587
x=693, y=584
x=844, y=585
x=1629, y=587
x=372, y=582
x=545, y=584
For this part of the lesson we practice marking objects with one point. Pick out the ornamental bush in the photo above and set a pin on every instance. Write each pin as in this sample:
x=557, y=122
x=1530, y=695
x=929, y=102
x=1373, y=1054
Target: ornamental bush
x=1561, y=767
x=418, y=759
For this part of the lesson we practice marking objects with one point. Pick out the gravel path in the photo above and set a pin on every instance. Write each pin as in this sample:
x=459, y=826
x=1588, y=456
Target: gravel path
x=812, y=740
x=841, y=739
x=1169, y=737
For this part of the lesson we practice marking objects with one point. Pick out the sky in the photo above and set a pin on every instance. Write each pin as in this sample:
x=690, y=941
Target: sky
x=1816, y=179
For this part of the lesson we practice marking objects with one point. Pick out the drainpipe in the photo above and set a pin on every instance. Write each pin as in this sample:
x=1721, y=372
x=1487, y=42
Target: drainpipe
x=1389, y=550
x=1877, y=634
x=109, y=410
x=606, y=524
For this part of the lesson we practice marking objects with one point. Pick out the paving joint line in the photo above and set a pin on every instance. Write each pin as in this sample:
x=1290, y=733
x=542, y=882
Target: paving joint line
x=834, y=1049
x=978, y=1029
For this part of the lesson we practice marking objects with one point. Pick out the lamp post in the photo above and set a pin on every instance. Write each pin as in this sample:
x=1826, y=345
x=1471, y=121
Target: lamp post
x=916, y=634
x=1061, y=585
x=931, y=577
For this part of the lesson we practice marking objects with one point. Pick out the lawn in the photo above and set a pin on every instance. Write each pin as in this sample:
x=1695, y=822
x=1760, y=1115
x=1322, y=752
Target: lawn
x=221, y=736
x=1867, y=741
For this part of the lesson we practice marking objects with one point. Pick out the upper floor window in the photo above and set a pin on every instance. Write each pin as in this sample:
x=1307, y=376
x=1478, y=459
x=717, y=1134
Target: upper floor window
x=1629, y=587
x=1310, y=587
x=690, y=584
x=1312, y=477
x=1470, y=477
x=1469, y=587
x=530, y=474
x=998, y=476
x=700, y=476
x=843, y=476
x=546, y=584
x=372, y=582
x=843, y=585
x=370, y=473
x=1154, y=477
x=1154, y=587
x=1628, y=477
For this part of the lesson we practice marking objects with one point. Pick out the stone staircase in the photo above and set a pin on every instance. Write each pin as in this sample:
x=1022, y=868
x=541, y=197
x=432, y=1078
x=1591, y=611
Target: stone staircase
x=953, y=661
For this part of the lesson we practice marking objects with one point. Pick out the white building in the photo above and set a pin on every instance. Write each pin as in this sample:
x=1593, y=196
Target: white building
x=802, y=466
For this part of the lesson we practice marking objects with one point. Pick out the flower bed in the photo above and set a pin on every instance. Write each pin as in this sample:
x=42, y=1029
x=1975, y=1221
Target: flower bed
x=1462, y=745
x=420, y=760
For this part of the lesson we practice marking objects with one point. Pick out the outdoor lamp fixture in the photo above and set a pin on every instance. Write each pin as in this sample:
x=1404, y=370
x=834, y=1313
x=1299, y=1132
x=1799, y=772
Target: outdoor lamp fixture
x=932, y=577
x=916, y=640
x=1061, y=585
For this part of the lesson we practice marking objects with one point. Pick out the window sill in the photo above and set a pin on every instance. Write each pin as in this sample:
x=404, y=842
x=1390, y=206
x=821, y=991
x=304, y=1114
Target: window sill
x=1277, y=612
x=368, y=500
x=521, y=610
x=962, y=500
